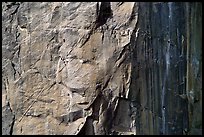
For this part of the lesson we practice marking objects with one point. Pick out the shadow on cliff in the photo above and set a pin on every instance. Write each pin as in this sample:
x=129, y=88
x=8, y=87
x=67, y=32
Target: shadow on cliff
x=103, y=13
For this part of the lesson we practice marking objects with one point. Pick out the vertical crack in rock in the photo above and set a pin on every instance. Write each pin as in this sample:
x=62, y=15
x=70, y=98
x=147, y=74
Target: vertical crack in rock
x=13, y=120
x=103, y=13
x=12, y=125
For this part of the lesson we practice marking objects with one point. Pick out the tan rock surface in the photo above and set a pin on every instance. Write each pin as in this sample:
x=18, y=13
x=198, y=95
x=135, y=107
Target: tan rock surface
x=101, y=68
x=61, y=62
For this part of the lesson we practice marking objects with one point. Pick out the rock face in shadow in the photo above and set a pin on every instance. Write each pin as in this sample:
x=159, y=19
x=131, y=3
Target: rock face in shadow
x=194, y=67
x=101, y=68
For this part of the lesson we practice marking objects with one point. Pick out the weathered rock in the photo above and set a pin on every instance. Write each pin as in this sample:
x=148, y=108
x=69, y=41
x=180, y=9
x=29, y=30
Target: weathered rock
x=96, y=68
x=8, y=119
x=63, y=55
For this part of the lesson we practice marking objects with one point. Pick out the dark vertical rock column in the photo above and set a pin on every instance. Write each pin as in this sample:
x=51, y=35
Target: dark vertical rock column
x=160, y=64
x=194, y=66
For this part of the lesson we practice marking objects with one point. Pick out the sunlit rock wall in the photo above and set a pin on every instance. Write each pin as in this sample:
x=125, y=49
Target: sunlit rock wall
x=101, y=68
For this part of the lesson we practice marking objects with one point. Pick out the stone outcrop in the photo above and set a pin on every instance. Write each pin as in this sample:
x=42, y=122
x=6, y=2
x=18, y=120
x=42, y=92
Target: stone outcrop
x=101, y=68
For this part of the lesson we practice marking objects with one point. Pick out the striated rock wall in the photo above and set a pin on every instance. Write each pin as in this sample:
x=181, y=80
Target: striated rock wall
x=99, y=68
x=194, y=66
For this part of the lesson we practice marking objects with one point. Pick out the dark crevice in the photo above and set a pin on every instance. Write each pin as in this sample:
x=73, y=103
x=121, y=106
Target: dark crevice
x=12, y=125
x=102, y=37
x=71, y=117
x=15, y=11
x=88, y=128
x=106, y=81
x=120, y=3
x=103, y=14
x=109, y=116
x=13, y=65
x=12, y=4
x=83, y=103
x=13, y=120
x=123, y=51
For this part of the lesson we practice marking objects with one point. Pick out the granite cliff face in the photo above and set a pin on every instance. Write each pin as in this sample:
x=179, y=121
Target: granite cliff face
x=101, y=68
